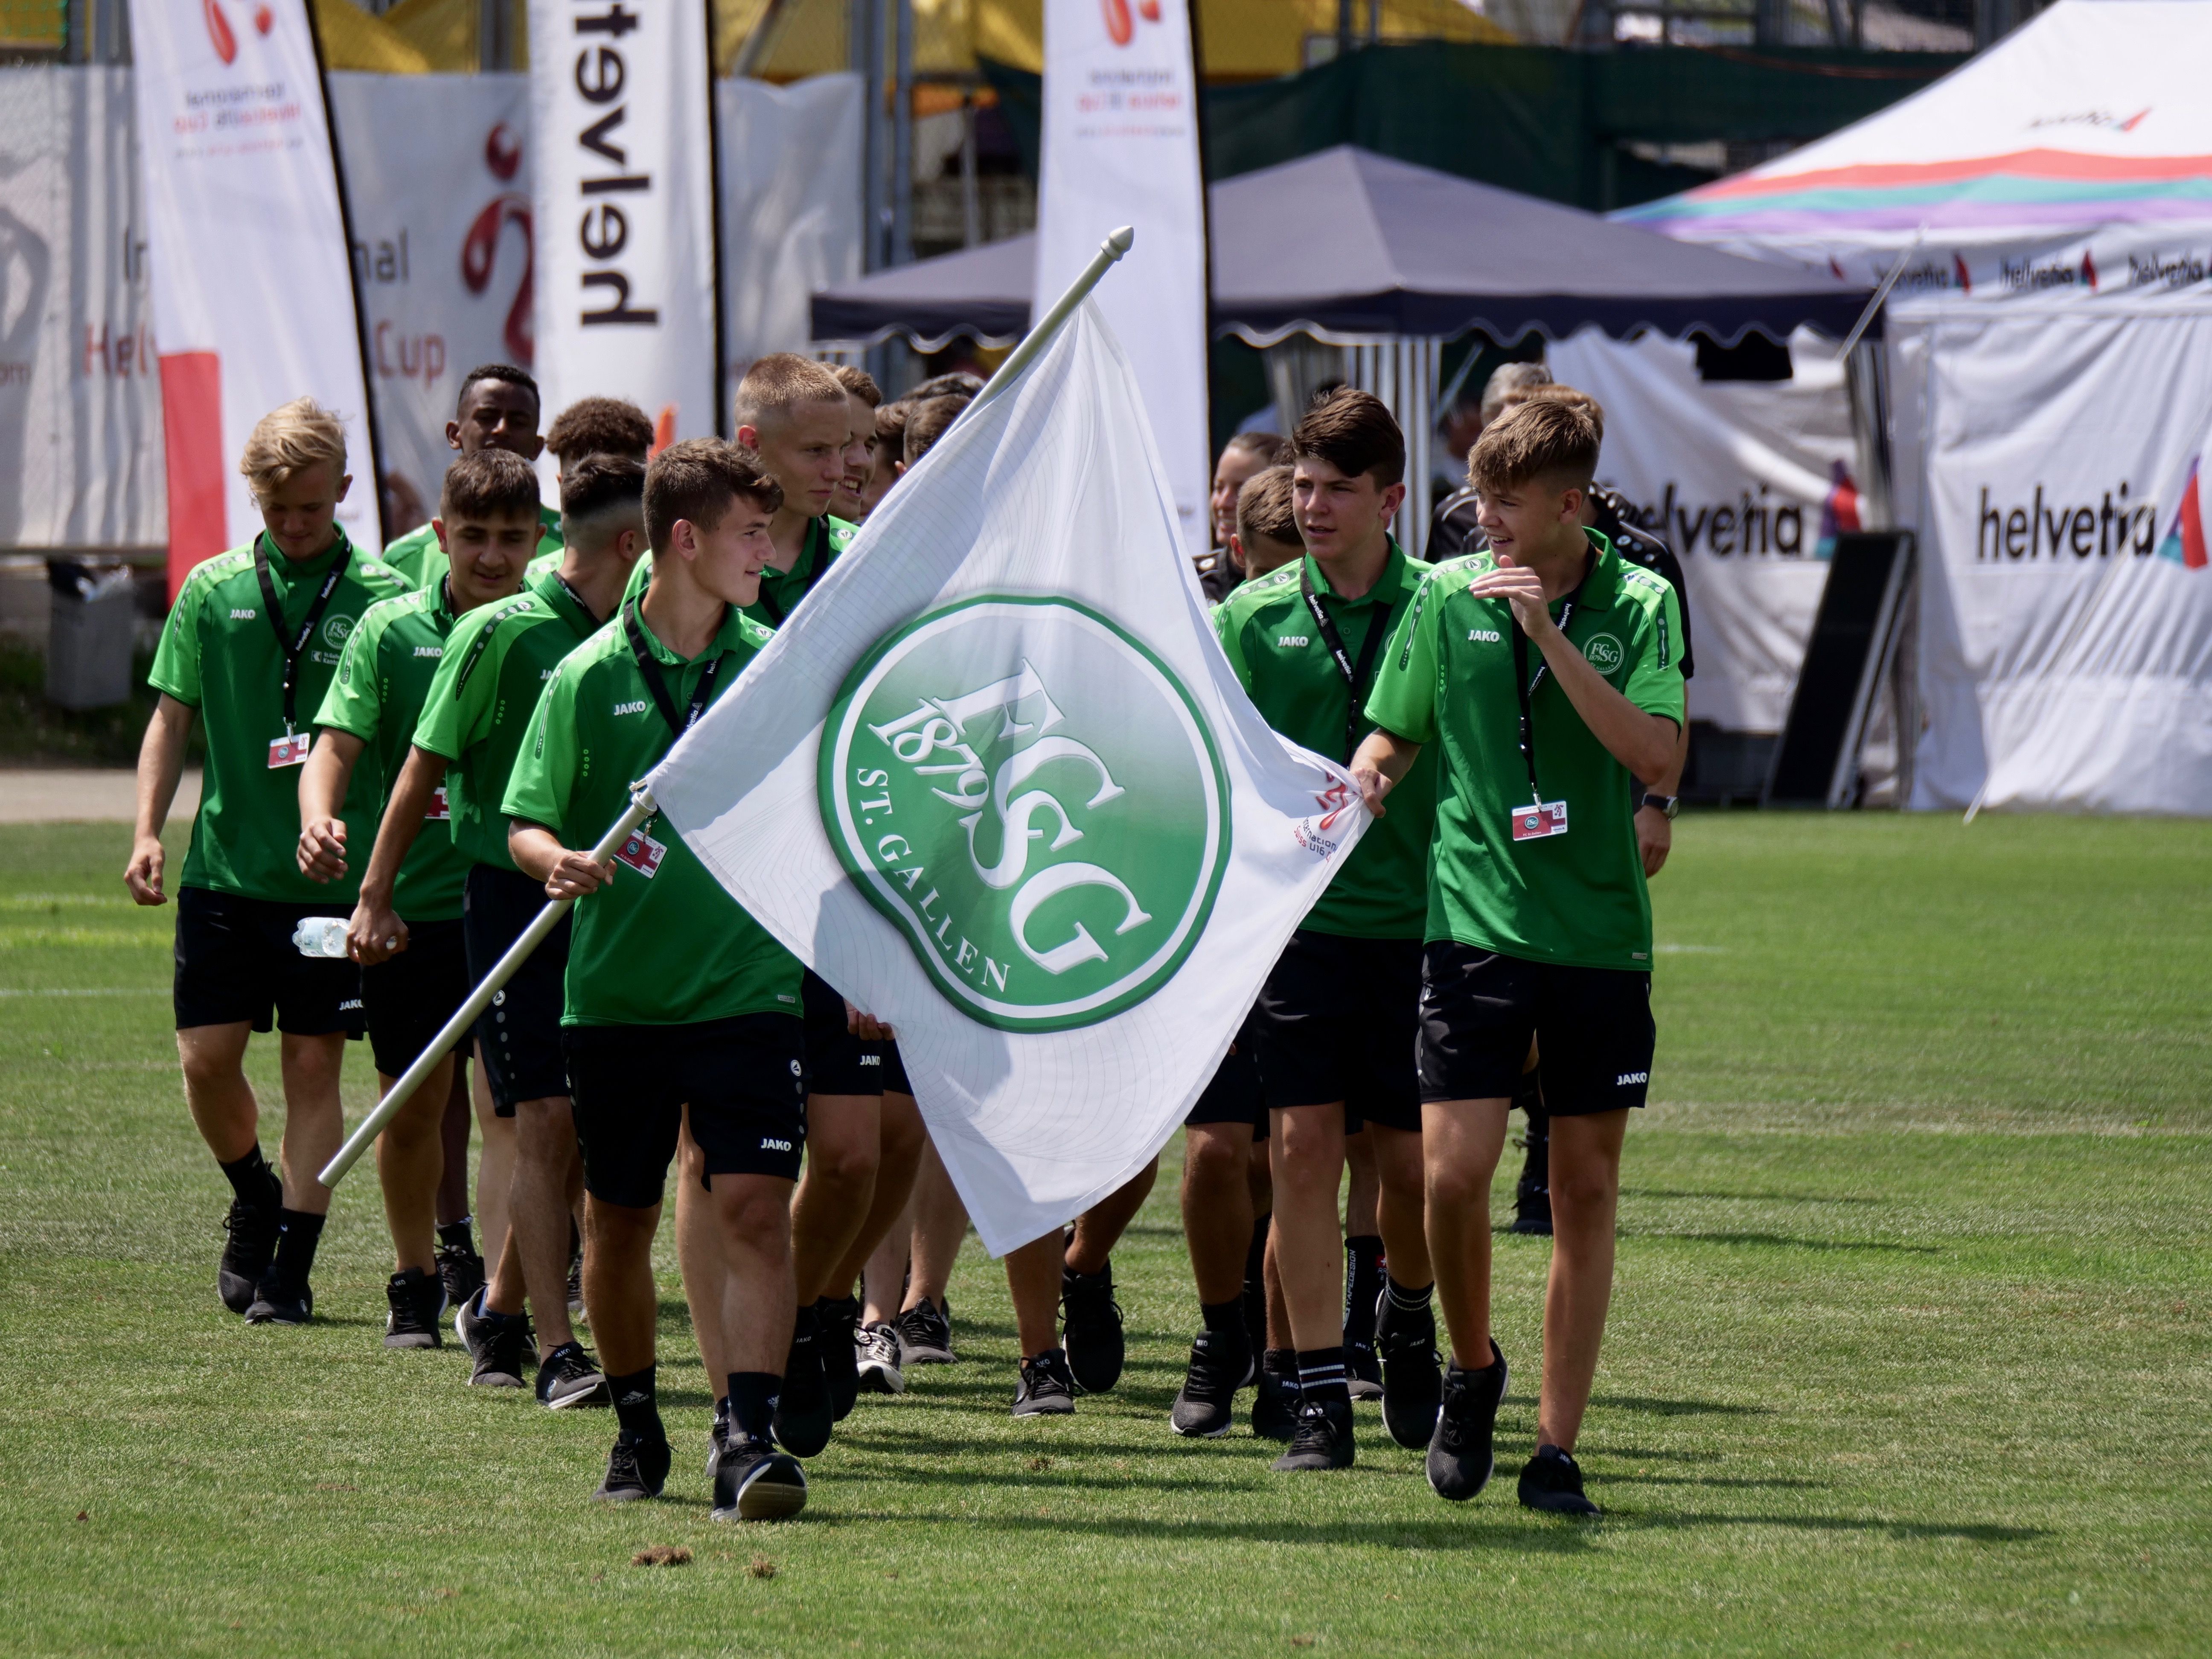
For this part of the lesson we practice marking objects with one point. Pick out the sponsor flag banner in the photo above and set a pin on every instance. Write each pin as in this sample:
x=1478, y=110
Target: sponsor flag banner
x=996, y=781
x=622, y=178
x=253, y=301
x=1121, y=148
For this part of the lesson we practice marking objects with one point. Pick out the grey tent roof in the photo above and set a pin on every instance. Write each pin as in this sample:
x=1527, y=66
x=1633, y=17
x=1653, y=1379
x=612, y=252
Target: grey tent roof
x=1349, y=243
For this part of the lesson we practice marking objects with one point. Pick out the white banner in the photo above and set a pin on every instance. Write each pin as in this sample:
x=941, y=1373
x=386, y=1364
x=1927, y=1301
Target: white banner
x=1745, y=480
x=996, y=781
x=80, y=401
x=2066, y=641
x=791, y=207
x=438, y=179
x=622, y=188
x=1121, y=148
x=253, y=302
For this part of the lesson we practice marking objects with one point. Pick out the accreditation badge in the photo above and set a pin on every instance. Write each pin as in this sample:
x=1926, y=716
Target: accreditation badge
x=1543, y=818
x=641, y=853
x=438, y=810
x=291, y=750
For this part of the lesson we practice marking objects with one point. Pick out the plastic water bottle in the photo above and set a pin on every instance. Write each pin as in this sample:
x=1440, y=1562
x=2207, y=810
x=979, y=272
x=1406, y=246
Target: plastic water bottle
x=321, y=936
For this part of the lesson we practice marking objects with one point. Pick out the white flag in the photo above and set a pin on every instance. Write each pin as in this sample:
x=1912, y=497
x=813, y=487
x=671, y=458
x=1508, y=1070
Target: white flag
x=996, y=782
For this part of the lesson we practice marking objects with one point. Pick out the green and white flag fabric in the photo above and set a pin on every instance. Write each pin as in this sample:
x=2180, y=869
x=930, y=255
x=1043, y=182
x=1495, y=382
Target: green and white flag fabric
x=996, y=782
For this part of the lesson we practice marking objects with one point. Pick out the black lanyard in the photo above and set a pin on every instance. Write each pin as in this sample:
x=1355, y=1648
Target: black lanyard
x=1355, y=674
x=649, y=671
x=293, y=646
x=576, y=599
x=1526, y=685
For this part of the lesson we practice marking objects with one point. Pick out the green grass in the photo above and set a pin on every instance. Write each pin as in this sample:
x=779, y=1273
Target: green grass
x=1908, y=1352
x=36, y=732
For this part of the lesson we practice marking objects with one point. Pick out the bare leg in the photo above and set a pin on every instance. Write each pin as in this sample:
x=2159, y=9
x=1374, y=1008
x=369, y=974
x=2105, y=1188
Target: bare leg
x=900, y=1142
x=940, y=1226
x=494, y=1171
x=216, y=1092
x=315, y=1124
x=882, y=1283
x=1360, y=1197
x=1099, y=1228
x=752, y=1214
x=707, y=1288
x=1307, y=1150
x=411, y=1156
x=1217, y=1206
x=546, y=1166
x=453, y=1139
x=1033, y=1277
x=1585, y=1197
x=1461, y=1141
x=618, y=1288
x=1400, y=1203
x=1278, y=1307
x=844, y=1143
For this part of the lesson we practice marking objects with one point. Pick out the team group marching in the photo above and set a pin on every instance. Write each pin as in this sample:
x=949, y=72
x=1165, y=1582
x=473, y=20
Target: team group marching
x=407, y=755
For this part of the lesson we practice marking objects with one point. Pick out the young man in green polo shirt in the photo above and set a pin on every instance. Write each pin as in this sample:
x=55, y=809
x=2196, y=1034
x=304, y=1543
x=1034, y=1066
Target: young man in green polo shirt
x=248, y=649
x=1547, y=672
x=498, y=409
x=496, y=663
x=682, y=1009
x=406, y=928
x=1335, y=1022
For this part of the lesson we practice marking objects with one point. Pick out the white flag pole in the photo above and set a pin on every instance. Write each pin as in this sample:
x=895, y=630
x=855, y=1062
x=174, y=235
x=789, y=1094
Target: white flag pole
x=641, y=808
x=1040, y=337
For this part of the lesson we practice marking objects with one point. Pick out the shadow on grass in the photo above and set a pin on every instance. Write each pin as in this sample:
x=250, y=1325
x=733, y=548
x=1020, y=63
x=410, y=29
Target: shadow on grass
x=1909, y=1531
x=1785, y=1241
x=1521, y=1534
x=1745, y=1482
x=1629, y=1402
x=1745, y=1198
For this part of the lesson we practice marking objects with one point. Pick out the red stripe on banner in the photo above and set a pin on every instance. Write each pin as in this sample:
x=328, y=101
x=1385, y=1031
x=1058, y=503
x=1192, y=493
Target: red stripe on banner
x=2192, y=527
x=191, y=431
x=2034, y=163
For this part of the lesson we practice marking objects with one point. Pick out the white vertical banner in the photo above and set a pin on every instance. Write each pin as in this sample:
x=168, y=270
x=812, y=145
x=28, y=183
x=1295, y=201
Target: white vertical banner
x=1121, y=148
x=623, y=183
x=254, y=302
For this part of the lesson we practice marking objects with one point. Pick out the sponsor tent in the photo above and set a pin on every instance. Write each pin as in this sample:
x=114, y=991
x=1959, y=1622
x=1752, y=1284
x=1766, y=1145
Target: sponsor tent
x=2048, y=359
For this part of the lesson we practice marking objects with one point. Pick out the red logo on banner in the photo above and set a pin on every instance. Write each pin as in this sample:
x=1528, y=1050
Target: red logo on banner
x=502, y=154
x=1120, y=26
x=218, y=28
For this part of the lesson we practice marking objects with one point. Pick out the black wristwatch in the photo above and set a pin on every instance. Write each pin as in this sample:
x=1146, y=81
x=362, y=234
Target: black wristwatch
x=1668, y=804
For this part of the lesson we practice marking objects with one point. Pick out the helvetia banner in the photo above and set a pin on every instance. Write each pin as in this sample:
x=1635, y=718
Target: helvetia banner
x=1121, y=148
x=253, y=301
x=623, y=178
x=996, y=782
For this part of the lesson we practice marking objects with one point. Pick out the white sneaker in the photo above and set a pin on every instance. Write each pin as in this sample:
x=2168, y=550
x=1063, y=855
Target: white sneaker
x=880, y=1357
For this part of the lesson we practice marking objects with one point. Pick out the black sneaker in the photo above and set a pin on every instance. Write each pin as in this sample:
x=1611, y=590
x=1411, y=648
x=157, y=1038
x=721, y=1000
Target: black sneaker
x=837, y=1333
x=635, y=1469
x=1275, y=1407
x=1532, y=1208
x=1046, y=1388
x=473, y=1326
x=461, y=1270
x=880, y=1360
x=1553, y=1481
x=715, y=1438
x=1532, y=1194
x=418, y=1302
x=246, y=1254
x=926, y=1334
x=1413, y=1374
x=1362, y=1371
x=1461, y=1454
x=1322, y=1439
x=1206, y=1406
x=754, y=1482
x=569, y=1378
x=278, y=1301
x=1090, y=1328
x=803, y=1414
x=502, y=1360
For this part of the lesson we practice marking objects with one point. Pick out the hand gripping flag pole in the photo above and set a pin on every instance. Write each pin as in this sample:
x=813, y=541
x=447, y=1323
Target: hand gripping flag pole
x=641, y=806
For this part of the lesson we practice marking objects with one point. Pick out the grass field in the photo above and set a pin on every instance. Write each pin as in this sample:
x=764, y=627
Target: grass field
x=1908, y=1352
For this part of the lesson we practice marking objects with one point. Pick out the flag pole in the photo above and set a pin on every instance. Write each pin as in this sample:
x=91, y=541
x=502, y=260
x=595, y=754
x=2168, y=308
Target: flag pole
x=1039, y=337
x=641, y=807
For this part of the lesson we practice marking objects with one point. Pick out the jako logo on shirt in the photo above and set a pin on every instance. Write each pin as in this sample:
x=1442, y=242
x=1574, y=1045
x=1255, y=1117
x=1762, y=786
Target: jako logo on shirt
x=1486, y=636
x=246, y=614
x=1604, y=652
x=430, y=650
x=1290, y=639
x=1035, y=801
x=637, y=707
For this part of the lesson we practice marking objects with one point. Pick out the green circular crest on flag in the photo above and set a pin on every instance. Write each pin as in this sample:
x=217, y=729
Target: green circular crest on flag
x=1033, y=799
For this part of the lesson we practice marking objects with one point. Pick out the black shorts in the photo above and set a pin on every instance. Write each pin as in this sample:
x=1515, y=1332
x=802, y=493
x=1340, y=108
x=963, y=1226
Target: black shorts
x=236, y=962
x=837, y=1062
x=1338, y=1019
x=1592, y=1030
x=1234, y=1094
x=410, y=997
x=744, y=1080
x=520, y=1031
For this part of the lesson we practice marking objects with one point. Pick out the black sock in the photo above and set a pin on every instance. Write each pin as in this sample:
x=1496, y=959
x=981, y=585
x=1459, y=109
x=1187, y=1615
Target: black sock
x=804, y=1328
x=255, y=1182
x=1256, y=1284
x=1408, y=1300
x=1281, y=1362
x=297, y=1234
x=1225, y=1322
x=1363, y=1287
x=636, y=1408
x=456, y=1234
x=1321, y=1375
x=752, y=1402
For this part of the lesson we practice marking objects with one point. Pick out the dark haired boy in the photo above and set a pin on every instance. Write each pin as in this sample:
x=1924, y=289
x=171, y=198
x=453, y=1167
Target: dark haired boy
x=406, y=930
x=478, y=706
x=1266, y=536
x=497, y=409
x=1545, y=671
x=1335, y=1022
x=599, y=426
x=682, y=1012
x=1243, y=458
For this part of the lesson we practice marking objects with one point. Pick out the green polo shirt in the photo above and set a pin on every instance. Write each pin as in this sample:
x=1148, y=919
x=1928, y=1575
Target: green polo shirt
x=674, y=948
x=1447, y=683
x=780, y=590
x=1382, y=891
x=498, y=659
x=219, y=655
x=417, y=556
x=376, y=696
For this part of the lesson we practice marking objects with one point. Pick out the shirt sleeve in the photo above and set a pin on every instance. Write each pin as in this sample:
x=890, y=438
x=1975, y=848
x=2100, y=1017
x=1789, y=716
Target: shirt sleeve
x=1671, y=567
x=544, y=775
x=1654, y=680
x=176, y=667
x=353, y=700
x=1403, y=699
x=457, y=709
x=1233, y=642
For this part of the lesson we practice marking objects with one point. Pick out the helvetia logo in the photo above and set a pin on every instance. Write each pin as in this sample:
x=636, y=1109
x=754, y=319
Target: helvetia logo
x=1035, y=801
x=2185, y=538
